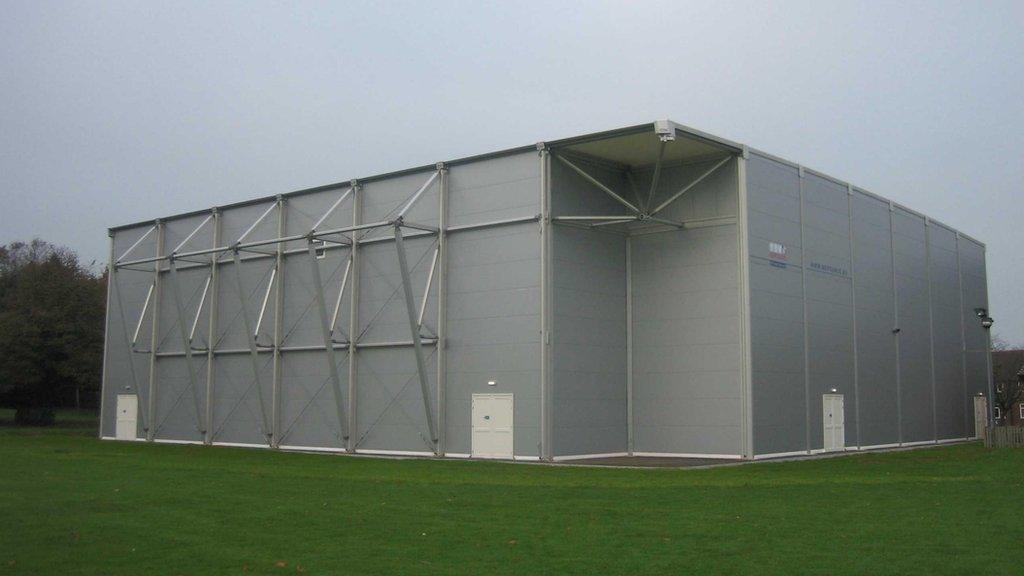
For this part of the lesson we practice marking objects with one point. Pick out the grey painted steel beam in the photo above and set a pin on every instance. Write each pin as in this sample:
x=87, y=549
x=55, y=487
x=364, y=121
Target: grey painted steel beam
x=278, y=362
x=743, y=274
x=105, y=370
x=265, y=301
x=353, y=322
x=199, y=310
x=325, y=332
x=489, y=224
x=179, y=306
x=546, y=451
x=426, y=287
x=142, y=314
x=425, y=341
x=690, y=186
x=341, y=296
x=410, y=306
x=442, y=309
x=253, y=348
x=598, y=183
x=655, y=176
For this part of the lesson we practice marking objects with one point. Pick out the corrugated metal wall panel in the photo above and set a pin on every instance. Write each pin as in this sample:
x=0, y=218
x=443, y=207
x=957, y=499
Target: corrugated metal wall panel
x=779, y=395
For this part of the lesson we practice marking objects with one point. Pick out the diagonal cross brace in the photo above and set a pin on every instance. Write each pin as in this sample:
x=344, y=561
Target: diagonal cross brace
x=598, y=183
x=410, y=306
x=325, y=330
x=693, y=183
x=176, y=292
x=251, y=339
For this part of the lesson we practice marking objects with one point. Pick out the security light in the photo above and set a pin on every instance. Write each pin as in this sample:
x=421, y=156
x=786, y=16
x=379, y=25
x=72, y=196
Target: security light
x=987, y=322
x=981, y=312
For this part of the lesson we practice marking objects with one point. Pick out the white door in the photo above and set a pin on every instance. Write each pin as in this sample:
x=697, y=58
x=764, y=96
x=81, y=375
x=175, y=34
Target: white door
x=980, y=416
x=834, y=422
x=127, y=416
x=492, y=426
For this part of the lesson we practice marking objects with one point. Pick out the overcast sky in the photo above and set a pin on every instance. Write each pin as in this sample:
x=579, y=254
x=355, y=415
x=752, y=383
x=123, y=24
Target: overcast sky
x=116, y=112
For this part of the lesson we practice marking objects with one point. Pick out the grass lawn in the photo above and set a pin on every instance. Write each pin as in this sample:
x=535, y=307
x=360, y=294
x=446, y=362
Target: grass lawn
x=72, y=504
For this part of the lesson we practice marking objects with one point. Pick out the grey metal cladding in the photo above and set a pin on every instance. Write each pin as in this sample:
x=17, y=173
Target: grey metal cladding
x=686, y=377
x=128, y=293
x=950, y=404
x=389, y=402
x=876, y=349
x=493, y=308
x=307, y=415
x=494, y=329
x=494, y=189
x=829, y=301
x=779, y=401
x=972, y=266
x=916, y=393
x=236, y=402
x=589, y=341
x=175, y=409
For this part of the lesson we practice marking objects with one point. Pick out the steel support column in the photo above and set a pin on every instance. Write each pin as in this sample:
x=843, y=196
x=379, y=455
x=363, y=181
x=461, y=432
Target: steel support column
x=546, y=451
x=442, y=307
x=105, y=374
x=275, y=411
x=421, y=366
x=353, y=321
x=743, y=275
x=154, y=333
x=211, y=334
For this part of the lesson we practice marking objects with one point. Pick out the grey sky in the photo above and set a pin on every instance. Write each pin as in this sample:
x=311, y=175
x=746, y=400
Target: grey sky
x=116, y=112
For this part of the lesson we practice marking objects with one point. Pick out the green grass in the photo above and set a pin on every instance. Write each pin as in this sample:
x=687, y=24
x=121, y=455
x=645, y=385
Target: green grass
x=71, y=504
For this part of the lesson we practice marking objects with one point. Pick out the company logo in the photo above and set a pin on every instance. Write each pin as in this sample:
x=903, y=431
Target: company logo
x=777, y=251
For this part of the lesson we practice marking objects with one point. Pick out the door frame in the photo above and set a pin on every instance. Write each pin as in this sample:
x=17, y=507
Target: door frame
x=825, y=400
x=491, y=395
x=117, y=417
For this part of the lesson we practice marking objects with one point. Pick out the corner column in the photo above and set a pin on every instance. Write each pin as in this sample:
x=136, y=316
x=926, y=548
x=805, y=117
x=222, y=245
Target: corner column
x=546, y=451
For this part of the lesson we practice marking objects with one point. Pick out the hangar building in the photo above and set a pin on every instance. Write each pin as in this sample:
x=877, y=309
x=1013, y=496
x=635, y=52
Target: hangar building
x=651, y=290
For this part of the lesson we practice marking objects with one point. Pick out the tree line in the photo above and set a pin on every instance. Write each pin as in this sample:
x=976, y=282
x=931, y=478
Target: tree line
x=52, y=310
